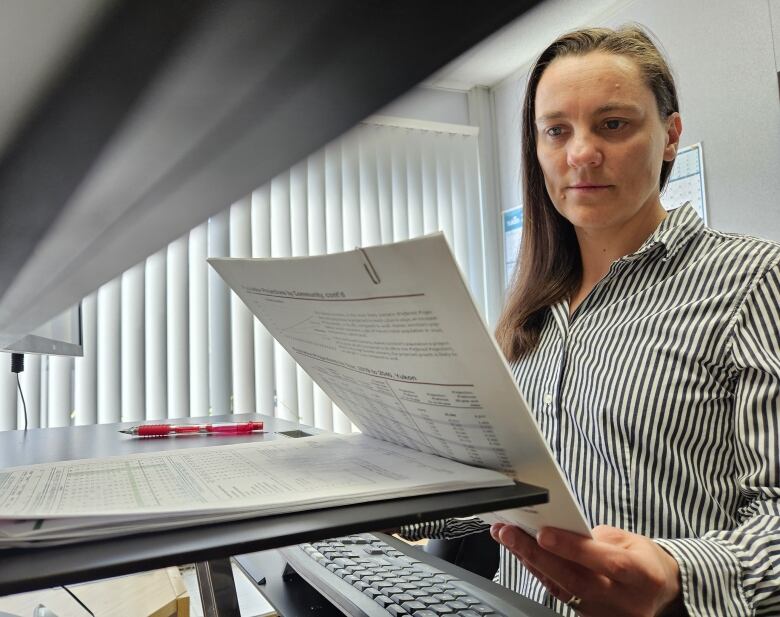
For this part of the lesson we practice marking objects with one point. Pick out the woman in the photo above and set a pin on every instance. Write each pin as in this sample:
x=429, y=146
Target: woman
x=647, y=346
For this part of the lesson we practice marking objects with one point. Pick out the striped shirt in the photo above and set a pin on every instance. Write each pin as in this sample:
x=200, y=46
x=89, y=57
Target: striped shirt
x=659, y=398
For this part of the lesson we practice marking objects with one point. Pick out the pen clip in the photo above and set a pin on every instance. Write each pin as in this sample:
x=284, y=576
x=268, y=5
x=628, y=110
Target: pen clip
x=372, y=273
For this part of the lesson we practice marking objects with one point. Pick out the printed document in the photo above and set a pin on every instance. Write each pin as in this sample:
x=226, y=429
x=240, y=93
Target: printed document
x=392, y=335
x=152, y=490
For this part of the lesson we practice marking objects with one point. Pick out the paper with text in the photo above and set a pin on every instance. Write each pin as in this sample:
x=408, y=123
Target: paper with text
x=260, y=477
x=59, y=503
x=392, y=335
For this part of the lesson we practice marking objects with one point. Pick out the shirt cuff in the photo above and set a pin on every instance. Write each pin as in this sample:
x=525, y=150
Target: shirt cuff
x=443, y=529
x=711, y=577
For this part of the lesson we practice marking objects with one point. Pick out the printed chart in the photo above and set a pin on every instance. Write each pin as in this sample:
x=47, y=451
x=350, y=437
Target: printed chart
x=686, y=183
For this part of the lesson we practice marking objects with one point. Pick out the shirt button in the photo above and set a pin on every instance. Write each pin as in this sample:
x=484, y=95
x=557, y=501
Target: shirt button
x=547, y=398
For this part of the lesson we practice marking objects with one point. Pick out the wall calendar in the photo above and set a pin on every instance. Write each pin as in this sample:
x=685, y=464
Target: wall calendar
x=686, y=182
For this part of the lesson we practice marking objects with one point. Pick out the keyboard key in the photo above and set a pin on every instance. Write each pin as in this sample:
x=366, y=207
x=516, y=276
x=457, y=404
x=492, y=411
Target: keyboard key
x=401, y=597
x=441, y=609
x=407, y=586
x=456, y=605
x=417, y=593
x=469, y=600
x=445, y=597
x=435, y=589
x=482, y=609
x=468, y=613
x=383, y=601
x=428, y=600
x=371, y=592
x=413, y=605
x=351, y=579
x=425, y=613
x=457, y=592
x=393, y=590
x=395, y=610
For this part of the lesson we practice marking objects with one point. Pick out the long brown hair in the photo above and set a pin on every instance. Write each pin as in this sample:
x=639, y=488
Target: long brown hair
x=549, y=266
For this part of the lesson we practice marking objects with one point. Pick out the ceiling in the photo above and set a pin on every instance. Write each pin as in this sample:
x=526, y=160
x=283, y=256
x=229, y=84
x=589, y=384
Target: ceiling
x=514, y=47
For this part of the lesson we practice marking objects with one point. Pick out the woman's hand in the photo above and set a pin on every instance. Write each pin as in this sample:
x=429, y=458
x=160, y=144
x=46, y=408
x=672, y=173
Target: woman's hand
x=615, y=573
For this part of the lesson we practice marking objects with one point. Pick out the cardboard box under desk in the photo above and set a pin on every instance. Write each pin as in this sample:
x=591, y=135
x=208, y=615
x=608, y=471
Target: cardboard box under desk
x=159, y=593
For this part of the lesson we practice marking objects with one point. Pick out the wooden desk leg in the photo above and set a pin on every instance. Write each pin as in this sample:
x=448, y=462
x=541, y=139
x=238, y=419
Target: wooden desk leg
x=217, y=588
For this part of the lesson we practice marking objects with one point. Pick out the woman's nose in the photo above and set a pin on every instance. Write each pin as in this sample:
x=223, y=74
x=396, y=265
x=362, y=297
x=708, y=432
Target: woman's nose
x=582, y=151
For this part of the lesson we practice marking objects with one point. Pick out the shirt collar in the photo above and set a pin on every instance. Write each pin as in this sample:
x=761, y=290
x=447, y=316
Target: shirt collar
x=673, y=233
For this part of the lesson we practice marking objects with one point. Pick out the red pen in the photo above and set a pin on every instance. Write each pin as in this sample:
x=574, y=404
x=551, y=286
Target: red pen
x=171, y=430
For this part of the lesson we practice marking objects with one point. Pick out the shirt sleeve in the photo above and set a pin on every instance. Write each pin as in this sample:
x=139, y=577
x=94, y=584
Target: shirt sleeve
x=737, y=571
x=443, y=529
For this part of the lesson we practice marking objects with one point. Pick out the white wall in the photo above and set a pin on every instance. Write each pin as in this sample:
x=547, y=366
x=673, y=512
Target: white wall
x=432, y=104
x=724, y=58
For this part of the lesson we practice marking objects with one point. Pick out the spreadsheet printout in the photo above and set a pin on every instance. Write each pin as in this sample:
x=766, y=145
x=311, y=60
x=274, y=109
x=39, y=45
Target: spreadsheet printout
x=391, y=334
x=261, y=477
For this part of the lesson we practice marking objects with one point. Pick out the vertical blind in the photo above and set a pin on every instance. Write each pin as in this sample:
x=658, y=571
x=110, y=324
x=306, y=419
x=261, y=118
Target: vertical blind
x=167, y=338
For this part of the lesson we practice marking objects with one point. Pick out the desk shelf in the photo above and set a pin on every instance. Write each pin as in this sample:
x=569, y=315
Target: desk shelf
x=36, y=568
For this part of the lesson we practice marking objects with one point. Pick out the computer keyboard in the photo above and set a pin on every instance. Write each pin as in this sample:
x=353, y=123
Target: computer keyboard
x=365, y=576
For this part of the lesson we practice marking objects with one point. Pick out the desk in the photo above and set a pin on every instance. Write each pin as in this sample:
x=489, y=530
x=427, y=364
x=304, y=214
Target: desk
x=29, y=569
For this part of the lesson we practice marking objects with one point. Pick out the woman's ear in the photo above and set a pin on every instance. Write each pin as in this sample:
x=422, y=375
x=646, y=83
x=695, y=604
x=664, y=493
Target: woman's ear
x=673, y=131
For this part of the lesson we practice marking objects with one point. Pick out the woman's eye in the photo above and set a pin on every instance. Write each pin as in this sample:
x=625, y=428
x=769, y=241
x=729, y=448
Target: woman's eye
x=554, y=131
x=614, y=125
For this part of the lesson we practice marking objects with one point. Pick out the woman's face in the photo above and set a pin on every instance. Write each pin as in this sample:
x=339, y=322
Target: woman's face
x=600, y=140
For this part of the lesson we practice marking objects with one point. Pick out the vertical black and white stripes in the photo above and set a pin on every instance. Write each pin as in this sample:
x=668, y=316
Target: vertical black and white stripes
x=660, y=398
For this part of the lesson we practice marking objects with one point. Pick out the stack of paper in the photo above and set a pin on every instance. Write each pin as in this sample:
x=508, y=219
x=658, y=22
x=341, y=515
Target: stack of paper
x=69, y=501
x=392, y=335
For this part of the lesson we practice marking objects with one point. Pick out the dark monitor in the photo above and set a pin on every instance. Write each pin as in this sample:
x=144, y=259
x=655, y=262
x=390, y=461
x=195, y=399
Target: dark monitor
x=62, y=336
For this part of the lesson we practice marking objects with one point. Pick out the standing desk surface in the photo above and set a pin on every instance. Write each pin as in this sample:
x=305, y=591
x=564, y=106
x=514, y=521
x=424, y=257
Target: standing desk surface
x=35, y=568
